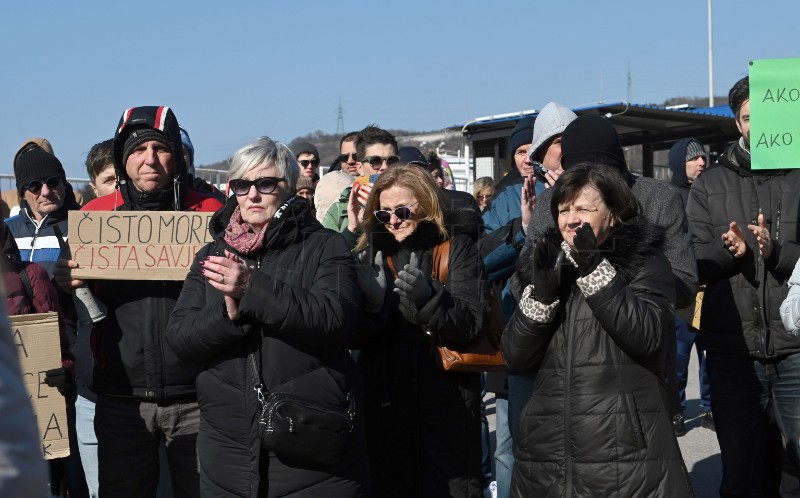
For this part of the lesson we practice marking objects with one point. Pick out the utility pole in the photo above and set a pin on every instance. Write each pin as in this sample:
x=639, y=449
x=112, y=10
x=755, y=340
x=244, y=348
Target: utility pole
x=340, y=118
x=710, y=60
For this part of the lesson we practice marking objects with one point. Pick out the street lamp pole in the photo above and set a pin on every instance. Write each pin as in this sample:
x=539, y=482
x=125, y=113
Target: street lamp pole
x=710, y=60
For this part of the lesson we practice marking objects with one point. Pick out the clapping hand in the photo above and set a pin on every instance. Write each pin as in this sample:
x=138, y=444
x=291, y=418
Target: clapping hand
x=762, y=237
x=412, y=284
x=372, y=280
x=586, y=253
x=734, y=240
x=545, y=274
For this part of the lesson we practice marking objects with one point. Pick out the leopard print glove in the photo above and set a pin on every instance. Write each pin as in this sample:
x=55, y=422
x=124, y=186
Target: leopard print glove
x=535, y=310
x=599, y=278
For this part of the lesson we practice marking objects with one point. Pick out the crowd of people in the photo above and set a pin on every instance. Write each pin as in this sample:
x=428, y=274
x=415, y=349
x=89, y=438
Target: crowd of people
x=297, y=356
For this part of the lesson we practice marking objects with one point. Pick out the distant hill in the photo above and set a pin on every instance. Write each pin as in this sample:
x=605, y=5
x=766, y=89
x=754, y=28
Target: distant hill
x=446, y=142
x=328, y=144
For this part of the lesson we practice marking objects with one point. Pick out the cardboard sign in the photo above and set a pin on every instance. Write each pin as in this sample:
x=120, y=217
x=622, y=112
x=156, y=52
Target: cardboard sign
x=39, y=350
x=136, y=245
x=775, y=113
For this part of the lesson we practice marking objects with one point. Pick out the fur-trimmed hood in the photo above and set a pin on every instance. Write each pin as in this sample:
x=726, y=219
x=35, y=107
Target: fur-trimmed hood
x=626, y=249
x=458, y=222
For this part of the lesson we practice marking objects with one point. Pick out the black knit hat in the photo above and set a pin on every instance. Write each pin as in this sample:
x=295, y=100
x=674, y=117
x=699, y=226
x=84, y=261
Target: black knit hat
x=305, y=147
x=36, y=164
x=521, y=135
x=694, y=149
x=140, y=136
x=592, y=138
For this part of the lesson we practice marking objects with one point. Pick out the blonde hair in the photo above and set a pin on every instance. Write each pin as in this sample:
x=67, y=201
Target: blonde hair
x=430, y=200
x=482, y=183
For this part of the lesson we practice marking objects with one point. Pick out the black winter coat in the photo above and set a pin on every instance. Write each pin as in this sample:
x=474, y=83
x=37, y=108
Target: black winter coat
x=597, y=423
x=423, y=425
x=741, y=307
x=301, y=303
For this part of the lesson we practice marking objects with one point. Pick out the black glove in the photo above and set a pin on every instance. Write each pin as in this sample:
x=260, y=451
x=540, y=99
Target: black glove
x=60, y=378
x=586, y=253
x=545, y=274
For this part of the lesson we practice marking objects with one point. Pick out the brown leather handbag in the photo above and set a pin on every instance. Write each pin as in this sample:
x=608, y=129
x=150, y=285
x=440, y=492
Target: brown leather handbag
x=481, y=354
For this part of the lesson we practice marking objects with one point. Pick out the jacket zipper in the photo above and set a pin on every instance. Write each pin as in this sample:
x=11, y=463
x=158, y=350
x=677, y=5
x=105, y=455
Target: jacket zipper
x=567, y=400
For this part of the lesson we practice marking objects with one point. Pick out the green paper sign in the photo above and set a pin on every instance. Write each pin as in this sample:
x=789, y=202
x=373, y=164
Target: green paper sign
x=775, y=113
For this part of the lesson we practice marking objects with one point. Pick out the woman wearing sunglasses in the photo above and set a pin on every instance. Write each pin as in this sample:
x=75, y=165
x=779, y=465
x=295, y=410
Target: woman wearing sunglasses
x=423, y=423
x=272, y=298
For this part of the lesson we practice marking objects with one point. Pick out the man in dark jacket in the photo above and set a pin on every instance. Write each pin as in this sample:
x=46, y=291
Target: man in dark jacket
x=744, y=227
x=145, y=393
x=687, y=160
x=45, y=200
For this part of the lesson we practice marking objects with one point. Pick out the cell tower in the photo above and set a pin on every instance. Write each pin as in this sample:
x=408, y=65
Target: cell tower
x=340, y=118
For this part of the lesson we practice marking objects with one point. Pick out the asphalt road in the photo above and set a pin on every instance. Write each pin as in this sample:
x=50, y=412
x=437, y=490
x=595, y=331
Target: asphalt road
x=699, y=446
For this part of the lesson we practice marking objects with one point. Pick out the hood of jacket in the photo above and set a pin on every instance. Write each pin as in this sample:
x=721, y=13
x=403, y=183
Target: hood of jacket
x=148, y=118
x=290, y=223
x=627, y=248
x=677, y=163
x=458, y=222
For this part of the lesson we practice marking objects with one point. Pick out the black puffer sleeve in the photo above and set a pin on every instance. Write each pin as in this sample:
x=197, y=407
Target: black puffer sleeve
x=319, y=314
x=197, y=331
x=639, y=316
x=460, y=309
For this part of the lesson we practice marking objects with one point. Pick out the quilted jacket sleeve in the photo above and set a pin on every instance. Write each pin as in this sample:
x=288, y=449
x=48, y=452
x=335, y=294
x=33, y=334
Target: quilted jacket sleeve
x=639, y=316
x=198, y=331
x=318, y=314
x=459, y=310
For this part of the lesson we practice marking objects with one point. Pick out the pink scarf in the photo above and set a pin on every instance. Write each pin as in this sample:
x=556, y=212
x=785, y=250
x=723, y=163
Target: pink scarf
x=241, y=236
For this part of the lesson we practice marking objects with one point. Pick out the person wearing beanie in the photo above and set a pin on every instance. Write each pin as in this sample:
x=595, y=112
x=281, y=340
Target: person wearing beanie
x=545, y=151
x=687, y=160
x=308, y=157
x=45, y=199
x=745, y=232
x=537, y=155
x=143, y=379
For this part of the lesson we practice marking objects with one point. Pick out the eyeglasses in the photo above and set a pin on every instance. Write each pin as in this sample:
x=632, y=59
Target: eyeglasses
x=35, y=186
x=377, y=161
x=345, y=158
x=305, y=162
x=484, y=196
x=385, y=215
x=266, y=185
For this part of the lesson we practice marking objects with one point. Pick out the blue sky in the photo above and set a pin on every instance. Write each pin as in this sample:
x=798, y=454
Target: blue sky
x=233, y=71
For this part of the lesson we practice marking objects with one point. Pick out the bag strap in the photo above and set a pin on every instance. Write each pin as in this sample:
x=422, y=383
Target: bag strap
x=441, y=261
x=258, y=386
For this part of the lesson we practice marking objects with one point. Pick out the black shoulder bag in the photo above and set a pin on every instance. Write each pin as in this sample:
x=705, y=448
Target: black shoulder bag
x=297, y=428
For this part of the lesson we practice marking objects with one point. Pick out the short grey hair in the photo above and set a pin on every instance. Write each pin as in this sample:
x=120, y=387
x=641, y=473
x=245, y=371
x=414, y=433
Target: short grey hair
x=264, y=150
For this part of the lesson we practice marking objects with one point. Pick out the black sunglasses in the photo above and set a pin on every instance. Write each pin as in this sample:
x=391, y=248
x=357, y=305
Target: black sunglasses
x=305, y=162
x=266, y=185
x=376, y=161
x=35, y=186
x=345, y=158
x=385, y=215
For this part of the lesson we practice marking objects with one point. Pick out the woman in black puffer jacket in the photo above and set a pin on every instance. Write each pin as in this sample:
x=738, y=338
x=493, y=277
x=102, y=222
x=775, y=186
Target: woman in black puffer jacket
x=594, y=322
x=276, y=285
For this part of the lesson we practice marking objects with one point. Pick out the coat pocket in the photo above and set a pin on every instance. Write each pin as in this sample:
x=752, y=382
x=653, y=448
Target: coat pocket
x=635, y=418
